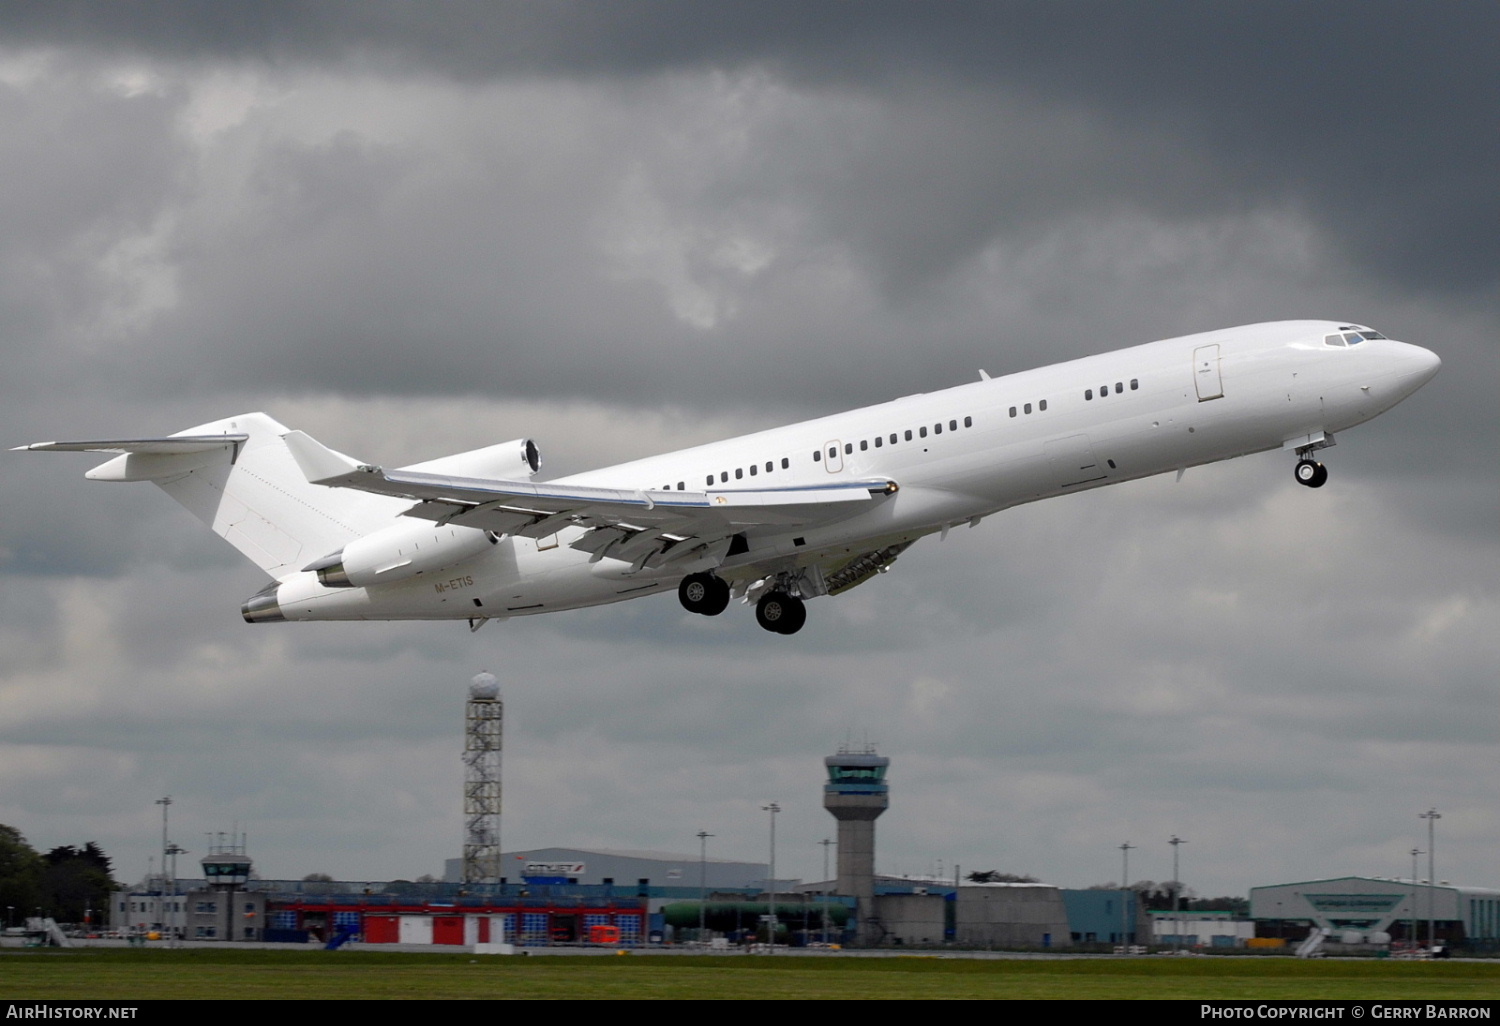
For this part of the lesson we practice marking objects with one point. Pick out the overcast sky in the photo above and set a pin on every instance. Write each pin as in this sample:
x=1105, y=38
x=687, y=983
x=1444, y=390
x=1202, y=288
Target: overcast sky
x=624, y=228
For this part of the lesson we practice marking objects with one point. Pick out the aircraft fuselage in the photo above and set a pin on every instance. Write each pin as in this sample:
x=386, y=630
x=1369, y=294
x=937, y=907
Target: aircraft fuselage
x=955, y=455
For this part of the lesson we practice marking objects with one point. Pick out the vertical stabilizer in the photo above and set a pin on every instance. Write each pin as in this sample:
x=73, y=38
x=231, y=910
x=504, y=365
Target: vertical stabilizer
x=238, y=477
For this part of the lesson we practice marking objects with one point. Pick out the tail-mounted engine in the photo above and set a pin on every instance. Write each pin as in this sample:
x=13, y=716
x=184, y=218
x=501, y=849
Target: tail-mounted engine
x=518, y=459
x=399, y=552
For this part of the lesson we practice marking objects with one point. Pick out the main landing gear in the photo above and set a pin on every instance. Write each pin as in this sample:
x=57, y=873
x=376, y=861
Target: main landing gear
x=704, y=594
x=1311, y=473
x=778, y=611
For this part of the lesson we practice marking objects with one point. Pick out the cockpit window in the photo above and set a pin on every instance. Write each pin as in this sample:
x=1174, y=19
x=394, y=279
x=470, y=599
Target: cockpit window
x=1333, y=340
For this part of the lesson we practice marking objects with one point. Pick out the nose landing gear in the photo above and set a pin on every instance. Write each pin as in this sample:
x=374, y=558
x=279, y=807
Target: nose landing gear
x=1311, y=473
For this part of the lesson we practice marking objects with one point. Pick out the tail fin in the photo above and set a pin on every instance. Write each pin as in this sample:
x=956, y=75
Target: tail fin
x=238, y=477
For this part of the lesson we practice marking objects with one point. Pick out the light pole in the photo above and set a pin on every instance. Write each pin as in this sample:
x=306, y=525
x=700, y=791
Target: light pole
x=825, y=842
x=772, y=808
x=1176, y=894
x=703, y=836
x=168, y=881
x=1412, y=938
x=1431, y=816
x=1124, y=896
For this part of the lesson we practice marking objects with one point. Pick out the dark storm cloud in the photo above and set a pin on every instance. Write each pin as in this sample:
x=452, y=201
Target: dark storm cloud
x=1375, y=116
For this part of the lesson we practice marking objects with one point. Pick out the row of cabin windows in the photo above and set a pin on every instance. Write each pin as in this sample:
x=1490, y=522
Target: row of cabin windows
x=895, y=437
x=1135, y=383
x=739, y=473
x=921, y=432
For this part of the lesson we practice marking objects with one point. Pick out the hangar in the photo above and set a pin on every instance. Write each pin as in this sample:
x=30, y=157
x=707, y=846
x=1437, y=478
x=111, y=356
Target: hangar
x=1465, y=916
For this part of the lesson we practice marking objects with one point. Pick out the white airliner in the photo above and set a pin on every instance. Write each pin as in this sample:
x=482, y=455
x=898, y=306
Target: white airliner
x=774, y=518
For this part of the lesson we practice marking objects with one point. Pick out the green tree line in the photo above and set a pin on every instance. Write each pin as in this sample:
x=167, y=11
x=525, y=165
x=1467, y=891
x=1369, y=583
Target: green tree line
x=62, y=883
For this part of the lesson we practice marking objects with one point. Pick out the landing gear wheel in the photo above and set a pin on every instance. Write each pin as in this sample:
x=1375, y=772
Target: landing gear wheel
x=704, y=594
x=1311, y=473
x=781, y=613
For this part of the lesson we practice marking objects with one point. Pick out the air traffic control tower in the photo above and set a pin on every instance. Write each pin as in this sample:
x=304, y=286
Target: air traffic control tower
x=856, y=793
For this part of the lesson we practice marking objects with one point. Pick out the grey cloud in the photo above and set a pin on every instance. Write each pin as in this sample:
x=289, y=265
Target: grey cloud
x=1371, y=115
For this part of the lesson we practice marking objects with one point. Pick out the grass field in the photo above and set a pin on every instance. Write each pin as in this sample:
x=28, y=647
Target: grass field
x=234, y=975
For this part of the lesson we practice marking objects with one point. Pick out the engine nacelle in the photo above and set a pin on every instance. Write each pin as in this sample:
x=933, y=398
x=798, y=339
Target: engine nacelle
x=518, y=458
x=399, y=552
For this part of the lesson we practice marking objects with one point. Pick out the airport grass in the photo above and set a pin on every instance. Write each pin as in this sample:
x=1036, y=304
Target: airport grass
x=112, y=974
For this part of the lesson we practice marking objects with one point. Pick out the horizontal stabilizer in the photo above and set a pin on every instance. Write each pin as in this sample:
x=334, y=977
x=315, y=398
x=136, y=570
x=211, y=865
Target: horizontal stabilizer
x=151, y=459
x=170, y=446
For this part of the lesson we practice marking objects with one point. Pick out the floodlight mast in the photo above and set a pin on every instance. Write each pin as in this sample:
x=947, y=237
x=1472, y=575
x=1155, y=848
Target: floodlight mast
x=1431, y=816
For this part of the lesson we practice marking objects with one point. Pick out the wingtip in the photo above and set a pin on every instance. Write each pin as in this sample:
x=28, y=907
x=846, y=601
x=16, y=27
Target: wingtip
x=318, y=463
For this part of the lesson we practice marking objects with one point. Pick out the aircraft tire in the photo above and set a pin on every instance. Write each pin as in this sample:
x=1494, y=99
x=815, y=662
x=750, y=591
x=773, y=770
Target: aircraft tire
x=1311, y=473
x=704, y=594
x=796, y=616
x=780, y=613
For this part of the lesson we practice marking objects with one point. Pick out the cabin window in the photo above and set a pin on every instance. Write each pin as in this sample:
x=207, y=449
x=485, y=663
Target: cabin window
x=893, y=438
x=710, y=479
x=753, y=469
x=723, y=476
x=1027, y=408
x=770, y=466
x=1012, y=411
x=863, y=445
x=848, y=448
x=681, y=485
x=908, y=434
x=968, y=422
x=937, y=428
x=1119, y=387
x=953, y=425
x=818, y=455
x=833, y=452
x=1042, y=405
x=922, y=431
x=785, y=463
x=1135, y=383
x=1088, y=393
x=879, y=441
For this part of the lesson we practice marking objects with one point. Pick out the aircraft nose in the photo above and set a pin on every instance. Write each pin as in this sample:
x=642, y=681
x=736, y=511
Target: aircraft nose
x=1419, y=365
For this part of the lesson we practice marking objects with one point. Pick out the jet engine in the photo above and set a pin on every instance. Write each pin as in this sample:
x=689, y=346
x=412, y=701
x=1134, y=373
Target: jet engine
x=399, y=552
x=509, y=461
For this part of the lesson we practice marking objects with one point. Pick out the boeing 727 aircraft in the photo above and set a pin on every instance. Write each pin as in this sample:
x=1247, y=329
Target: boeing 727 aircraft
x=774, y=518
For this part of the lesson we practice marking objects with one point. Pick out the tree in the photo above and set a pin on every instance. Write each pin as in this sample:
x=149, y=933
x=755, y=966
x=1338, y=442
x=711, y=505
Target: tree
x=20, y=873
x=74, y=880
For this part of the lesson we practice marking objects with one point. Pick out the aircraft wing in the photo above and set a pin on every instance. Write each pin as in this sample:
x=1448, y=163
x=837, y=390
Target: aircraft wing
x=647, y=527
